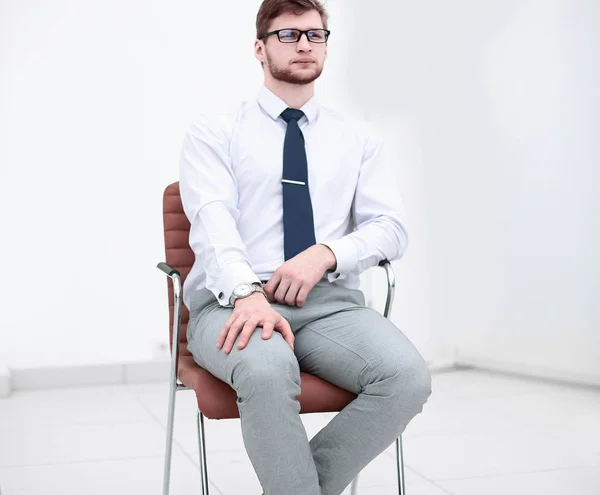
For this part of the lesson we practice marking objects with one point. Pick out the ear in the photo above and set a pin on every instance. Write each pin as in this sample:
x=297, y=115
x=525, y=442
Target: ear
x=259, y=50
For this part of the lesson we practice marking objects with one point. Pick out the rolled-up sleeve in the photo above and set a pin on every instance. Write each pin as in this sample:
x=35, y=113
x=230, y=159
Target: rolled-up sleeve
x=209, y=195
x=379, y=215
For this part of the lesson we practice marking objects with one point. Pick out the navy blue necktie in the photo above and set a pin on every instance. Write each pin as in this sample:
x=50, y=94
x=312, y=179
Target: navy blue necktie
x=298, y=222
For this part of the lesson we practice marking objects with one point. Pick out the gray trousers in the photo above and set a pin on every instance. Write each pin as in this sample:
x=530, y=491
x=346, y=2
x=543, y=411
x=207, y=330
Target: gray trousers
x=339, y=340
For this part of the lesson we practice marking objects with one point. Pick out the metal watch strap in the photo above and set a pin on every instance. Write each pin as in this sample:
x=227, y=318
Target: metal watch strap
x=257, y=288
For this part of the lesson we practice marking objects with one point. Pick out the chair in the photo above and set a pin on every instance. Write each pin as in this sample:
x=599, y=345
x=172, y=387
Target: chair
x=216, y=399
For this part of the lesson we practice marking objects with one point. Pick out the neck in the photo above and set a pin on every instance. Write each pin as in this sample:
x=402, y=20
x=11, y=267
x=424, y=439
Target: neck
x=294, y=95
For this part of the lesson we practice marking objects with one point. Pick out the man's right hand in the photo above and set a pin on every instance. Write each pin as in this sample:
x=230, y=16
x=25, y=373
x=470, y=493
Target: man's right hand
x=248, y=314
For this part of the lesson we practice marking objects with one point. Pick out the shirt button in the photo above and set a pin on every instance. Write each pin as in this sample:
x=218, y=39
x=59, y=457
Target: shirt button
x=221, y=295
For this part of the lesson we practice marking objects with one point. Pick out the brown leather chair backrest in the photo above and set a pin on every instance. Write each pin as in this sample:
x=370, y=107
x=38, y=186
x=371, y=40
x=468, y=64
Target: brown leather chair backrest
x=179, y=255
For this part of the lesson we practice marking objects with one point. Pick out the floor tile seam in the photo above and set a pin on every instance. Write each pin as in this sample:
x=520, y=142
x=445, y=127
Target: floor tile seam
x=80, y=461
x=516, y=428
x=515, y=473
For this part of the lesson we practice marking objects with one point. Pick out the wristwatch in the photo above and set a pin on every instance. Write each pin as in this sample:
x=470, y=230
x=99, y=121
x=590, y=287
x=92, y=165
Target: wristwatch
x=245, y=289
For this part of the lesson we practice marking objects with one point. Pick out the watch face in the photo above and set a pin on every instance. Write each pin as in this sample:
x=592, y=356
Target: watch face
x=242, y=290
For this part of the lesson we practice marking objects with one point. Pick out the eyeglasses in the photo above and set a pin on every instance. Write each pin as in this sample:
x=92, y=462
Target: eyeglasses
x=294, y=35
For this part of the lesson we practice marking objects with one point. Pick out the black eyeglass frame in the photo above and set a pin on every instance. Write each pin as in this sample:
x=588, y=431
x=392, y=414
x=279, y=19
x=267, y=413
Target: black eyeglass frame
x=327, y=33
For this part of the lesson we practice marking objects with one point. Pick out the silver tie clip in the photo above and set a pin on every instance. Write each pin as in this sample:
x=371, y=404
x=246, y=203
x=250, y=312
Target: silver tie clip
x=294, y=182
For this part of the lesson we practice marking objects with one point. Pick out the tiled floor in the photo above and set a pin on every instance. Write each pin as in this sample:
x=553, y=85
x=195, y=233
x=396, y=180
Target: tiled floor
x=480, y=434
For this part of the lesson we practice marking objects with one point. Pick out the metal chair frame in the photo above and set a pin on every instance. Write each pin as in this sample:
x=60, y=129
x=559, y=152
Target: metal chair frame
x=175, y=386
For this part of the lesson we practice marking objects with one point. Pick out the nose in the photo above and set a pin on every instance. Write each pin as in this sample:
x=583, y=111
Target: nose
x=303, y=44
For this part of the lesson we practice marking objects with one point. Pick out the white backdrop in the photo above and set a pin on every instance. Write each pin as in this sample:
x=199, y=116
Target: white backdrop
x=491, y=110
x=95, y=99
x=504, y=100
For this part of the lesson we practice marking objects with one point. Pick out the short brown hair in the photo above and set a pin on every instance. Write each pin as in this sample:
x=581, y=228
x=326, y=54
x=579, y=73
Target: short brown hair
x=271, y=9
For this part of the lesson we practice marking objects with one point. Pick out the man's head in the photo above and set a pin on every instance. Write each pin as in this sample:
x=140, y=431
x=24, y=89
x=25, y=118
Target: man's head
x=286, y=58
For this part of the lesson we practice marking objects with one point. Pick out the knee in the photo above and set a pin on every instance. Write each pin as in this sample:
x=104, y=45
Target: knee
x=417, y=380
x=270, y=372
x=408, y=380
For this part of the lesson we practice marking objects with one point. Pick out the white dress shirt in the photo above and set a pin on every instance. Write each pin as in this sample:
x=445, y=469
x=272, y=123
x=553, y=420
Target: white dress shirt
x=230, y=182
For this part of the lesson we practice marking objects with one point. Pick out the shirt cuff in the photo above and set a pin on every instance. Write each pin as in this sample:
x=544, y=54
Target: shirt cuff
x=346, y=255
x=231, y=275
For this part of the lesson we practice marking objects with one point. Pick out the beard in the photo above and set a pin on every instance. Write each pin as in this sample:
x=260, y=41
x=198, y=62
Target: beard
x=290, y=76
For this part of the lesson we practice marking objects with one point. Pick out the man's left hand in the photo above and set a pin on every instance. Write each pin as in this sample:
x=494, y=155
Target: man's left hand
x=292, y=282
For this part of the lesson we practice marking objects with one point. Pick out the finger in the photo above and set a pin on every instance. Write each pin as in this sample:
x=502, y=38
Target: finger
x=234, y=331
x=302, y=295
x=247, y=332
x=267, y=331
x=271, y=286
x=281, y=291
x=225, y=330
x=286, y=332
x=292, y=293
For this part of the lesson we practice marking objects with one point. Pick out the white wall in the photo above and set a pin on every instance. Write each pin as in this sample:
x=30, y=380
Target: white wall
x=490, y=109
x=95, y=98
x=504, y=100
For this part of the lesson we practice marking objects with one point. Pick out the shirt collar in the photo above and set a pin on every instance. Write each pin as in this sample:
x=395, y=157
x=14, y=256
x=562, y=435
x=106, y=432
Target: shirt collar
x=274, y=106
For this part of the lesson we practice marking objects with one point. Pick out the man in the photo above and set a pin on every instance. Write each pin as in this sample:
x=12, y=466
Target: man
x=288, y=191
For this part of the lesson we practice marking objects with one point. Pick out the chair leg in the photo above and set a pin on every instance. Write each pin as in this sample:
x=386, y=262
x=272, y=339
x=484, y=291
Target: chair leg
x=400, y=458
x=354, y=486
x=169, y=441
x=202, y=450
